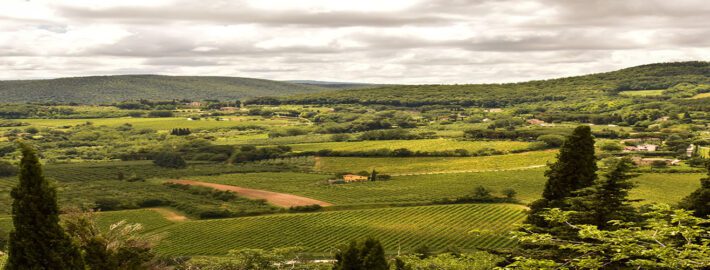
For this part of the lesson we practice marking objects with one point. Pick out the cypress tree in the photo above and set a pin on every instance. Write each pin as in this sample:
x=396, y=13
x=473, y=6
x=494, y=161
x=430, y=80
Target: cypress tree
x=575, y=169
x=37, y=241
x=699, y=200
x=608, y=199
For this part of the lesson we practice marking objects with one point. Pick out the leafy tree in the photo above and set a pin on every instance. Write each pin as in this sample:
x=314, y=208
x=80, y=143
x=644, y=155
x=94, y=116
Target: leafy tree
x=575, y=169
x=509, y=193
x=373, y=175
x=699, y=200
x=169, y=160
x=608, y=199
x=666, y=239
x=481, y=192
x=120, y=247
x=364, y=255
x=37, y=241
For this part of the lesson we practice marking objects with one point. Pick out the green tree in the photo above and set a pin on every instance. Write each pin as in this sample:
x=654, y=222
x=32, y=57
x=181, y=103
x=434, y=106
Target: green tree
x=122, y=246
x=699, y=200
x=575, y=169
x=666, y=239
x=608, y=199
x=169, y=160
x=364, y=255
x=37, y=241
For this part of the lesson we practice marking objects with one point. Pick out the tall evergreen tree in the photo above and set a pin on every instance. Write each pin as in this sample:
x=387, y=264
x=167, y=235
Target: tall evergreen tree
x=37, y=241
x=608, y=199
x=699, y=200
x=575, y=169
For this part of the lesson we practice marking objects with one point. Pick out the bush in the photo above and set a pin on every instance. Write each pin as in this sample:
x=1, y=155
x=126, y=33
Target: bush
x=552, y=140
x=611, y=147
x=160, y=114
x=305, y=208
x=340, y=137
x=169, y=160
x=7, y=169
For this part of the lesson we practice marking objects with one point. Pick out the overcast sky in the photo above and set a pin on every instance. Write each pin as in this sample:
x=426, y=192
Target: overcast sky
x=385, y=41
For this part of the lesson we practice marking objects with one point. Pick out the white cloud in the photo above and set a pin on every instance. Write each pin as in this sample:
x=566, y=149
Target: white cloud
x=394, y=41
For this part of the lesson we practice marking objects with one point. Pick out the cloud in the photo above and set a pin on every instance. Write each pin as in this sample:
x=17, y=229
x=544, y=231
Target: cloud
x=395, y=41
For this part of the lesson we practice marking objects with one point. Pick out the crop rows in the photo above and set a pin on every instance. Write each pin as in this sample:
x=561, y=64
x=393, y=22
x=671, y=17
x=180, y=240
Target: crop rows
x=428, y=145
x=402, y=228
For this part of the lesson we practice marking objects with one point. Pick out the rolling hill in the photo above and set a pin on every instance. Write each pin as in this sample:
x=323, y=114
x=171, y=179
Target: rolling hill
x=660, y=76
x=108, y=89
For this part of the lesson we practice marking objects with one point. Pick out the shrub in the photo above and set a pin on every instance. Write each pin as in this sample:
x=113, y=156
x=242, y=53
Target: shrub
x=169, y=160
x=160, y=114
x=551, y=140
x=7, y=169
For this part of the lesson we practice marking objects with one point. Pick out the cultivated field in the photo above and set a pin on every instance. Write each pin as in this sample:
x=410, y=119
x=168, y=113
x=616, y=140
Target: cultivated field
x=429, y=145
x=412, y=165
x=402, y=227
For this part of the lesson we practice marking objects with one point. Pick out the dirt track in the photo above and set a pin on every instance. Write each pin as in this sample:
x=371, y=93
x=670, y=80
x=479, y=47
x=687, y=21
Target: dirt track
x=275, y=198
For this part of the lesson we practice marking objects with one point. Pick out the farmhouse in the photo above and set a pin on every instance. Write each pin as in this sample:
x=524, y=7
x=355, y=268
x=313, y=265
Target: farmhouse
x=354, y=178
x=690, y=150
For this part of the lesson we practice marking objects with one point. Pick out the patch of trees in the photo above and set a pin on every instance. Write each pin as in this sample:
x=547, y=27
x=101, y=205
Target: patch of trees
x=180, y=131
x=483, y=194
x=169, y=160
x=532, y=134
x=221, y=195
x=248, y=153
x=389, y=134
x=160, y=114
x=402, y=152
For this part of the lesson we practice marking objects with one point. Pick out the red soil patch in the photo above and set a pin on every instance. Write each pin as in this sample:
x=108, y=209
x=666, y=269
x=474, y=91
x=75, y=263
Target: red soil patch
x=275, y=198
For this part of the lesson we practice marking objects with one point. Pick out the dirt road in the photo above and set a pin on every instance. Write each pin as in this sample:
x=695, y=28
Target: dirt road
x=275, y=198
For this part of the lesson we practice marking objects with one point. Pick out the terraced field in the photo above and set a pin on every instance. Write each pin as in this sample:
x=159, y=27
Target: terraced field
x=434, y=164
x=404, y=227
x=428, y=145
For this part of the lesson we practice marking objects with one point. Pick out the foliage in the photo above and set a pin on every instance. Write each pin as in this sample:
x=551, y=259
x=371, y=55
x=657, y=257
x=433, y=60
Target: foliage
x=367, y=254
x=667, y=239
x=575, y=169
x=169, y=160
x=105, y=89
x=122, y=246
x=253, y=259
x=7, y=169
x=699, y=200
x=37, y=241
x=468, y=261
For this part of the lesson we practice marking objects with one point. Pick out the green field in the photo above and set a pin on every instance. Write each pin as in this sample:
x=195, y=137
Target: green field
x=404, y=227
x=703, y=95
x=150, y=219
x=641, y=93
x=434, y=164
x=429, y=187
x=429, y=145
x=165, y=123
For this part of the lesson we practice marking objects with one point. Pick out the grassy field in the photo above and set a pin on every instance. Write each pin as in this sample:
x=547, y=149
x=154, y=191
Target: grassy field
x=641, y=93
x=165, y=123
x=426, y=188
x=433, y=164
x=703, y=95
x=404, y=227
x=429, y=145
x=150, y=219
x=401, y=189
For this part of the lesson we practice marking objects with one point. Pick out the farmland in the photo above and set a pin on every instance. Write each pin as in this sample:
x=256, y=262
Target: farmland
x=404, y=227
x=434, y=164
x=414, y=145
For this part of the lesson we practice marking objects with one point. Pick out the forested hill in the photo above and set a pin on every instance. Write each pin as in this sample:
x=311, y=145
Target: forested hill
x=679, y=79
x=108, y=89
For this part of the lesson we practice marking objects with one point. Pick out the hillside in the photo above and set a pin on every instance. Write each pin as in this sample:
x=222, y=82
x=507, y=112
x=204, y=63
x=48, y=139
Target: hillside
x=108, y=89
x=647, y=77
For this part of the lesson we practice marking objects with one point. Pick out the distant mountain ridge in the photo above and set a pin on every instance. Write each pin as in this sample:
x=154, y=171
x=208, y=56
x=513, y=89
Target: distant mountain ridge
x=116, y=88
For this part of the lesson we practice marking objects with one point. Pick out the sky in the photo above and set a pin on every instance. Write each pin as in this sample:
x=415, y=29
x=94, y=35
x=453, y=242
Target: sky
x=375, y=41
